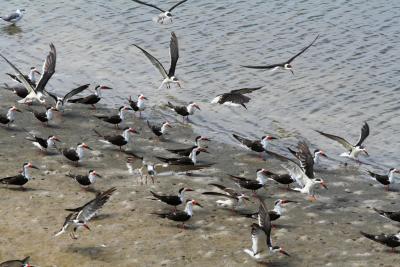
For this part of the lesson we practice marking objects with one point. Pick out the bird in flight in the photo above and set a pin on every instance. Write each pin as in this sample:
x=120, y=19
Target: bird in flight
x=166, y=16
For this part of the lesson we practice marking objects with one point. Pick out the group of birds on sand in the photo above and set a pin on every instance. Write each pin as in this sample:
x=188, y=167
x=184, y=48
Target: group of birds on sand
x=299, y=167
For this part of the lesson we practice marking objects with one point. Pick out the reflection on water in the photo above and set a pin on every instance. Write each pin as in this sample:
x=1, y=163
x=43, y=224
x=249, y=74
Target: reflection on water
x=12, y=29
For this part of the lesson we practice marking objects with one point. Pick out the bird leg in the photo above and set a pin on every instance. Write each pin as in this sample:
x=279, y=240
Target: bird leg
x=152, y=178
x=72, y=235
x=93, y=107
x=312, y=198
x=386, y=187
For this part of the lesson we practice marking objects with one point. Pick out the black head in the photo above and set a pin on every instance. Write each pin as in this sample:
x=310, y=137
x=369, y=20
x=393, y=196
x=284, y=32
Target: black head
x=168, y=14
x=180, y=190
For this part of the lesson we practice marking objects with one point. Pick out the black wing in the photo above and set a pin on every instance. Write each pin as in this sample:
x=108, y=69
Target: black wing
x=11, y=16
x=338, y=139
x=174, y=53
x=306, y=159
x=245, y=90
x=52, y=96
x=234, y=98
x=302, y=51
x=154, y=61
x=178, y=4
x=75, y=91
x=49, y=68
x=263, y=67
x=89, y=209
x=218, y=194
x=364, y=134
x=150, y=5
x=265, y=221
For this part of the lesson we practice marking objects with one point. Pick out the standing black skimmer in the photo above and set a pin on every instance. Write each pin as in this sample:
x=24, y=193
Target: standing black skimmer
x=16, y=263
x=186, y=151
x=386, y=180
x=173, y=200
x=14, y=17
x=115, y=119
x=159, y=130
x=392, y=241
x=46, y=116
x=85, y=180
x=91, y=99
x=261, y=234
x=252, y=185
x=42, y=143
x=60, y=101
x=190, y=160
x=81, y=216
x=392, y=215
x=18, y=89
x=283, y=178
x=138, y=105
x=181, y=216
x=75, y=155
x=21, y=178
x=255, y=145
x=174, y=53
x=31, y=78
x=10, y=116
x=235, y=97
x=36, y=92
x=165, y=17
x=119, y=139
x=184, y=111
x=284, y=65
x=234, y=199
x=352, y=151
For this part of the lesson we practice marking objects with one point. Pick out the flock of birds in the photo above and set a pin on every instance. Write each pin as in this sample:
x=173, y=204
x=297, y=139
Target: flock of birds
x=299, y=169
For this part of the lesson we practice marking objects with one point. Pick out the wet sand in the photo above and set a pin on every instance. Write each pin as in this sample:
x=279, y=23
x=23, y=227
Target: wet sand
x=321, y=233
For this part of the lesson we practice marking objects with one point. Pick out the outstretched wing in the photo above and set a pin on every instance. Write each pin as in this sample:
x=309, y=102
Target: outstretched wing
x=174, y=53
x=302, y=51
x=306, y=159
x=75, y=92
x=150, y=5
x=364, y=134
x=263, y=67
x=49, y=68
x=218, y=194
x=244, y=141
x=178, y=4
x=265, y=221
x=154, y=61
x=338, y=139
x=90, y=208
x=245, y=90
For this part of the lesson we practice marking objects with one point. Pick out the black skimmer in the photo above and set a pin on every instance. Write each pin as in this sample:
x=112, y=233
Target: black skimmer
x=173, y=200
x=85, y=180
x=75, y=155
x=36, y=92
x=186, y=151
x=190, y=160
x=80, y=216
x=255, y=145
x=91, y=99
x=390, y=240
x=304, y=154
x=159, y=130
x=60, y=101
x=184, y=111
x=165, y=17
x=119, y=139
x=14, y=17
x=17, y=263
x=21, y=178
x=17, y=89
x=181, y=216
x=274, y=214
x=386, y=180
x=283, y=178
x=235, y=97
x=46, y=116
x=147, y=169
x=174, y=53
x=138, y=105
x=318, y=153
x=352, y=151
x=392, y=215
x=10, y=116
x=31, y=77
x=115, y=119
x=42, y=143
x=234, y=199
x=252, y=185
x=261, y=234
x=284, y=65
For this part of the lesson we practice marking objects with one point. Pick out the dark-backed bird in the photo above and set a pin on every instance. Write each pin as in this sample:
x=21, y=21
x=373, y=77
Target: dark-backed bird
x=14, y=17
x=159, y=130
x=390, y=240
x=186, y=151
x=45, y=116
x=235, y=97
x=75, y=155
x=16, y=263
x=318, y=153
x=60, y=101
x=255, y=145
x=115, y=119
x=119, y=139
x=392, y=215
x=49, y=68
x=91, y=99
x=85, y=180
x=181, y=216
x=386, y=179
x=250, y=184
x=184, y=111
x=169, y=77
x=10, y=116
x=19, y=179
x=79, y=217
x=44, y=144
x=234, y=199
x=352, y=150
x=18, y=89
x=274, y=214
x=173, y=200
x=138, y=105
x=284, y=65
x=166, y=16
x=190, y=160
x=31, y=77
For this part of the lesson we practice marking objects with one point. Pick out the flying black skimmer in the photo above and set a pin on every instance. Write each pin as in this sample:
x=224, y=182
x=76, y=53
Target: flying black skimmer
x=31, y=77
x=235, y=97
x=46, y=116
x=75, y=155
x=17, y=263
x=318, y=153
x=252, y=185
x=255, y=145
x=10, y=116
x=159, y=130
x=283, y=178
x=42, y=143
x=274, y=214
x=352, y=151
x=184, y=111
x=190, y=160
x=174, y=53
x=36, y=92
x=115, y=119
x=173, y=200
x=138, y=105
x=85, y=180
x=60, y=101
x=165, y=17
x=21, y=178
x=234, y=199
x=392, y=215
x=91, y=99
x=386, y=180
x=119, y=139
x=186, y=151
x=80, y=216
x=390, y=240
x=14, y=17
x=284, y=65
x=261, y=234
x=181, y=216
x=304, y=154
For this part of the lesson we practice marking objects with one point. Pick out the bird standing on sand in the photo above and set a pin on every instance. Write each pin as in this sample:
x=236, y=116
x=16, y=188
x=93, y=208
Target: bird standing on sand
x=184, y=111
x=115, y=119
x=21, y=178
x=386, y=180
x=390, y=240
x=186, y=151
x=60, y=101
x=17, y=263
x=159, y=130
x=46, y=116
x=9, y=117
x=138, y=105
x=31, y=77
x=119, y=139
x=85, y=180
x=75, y=155
x=260, y=146
x=252, y=185
x=42, y=143
x=173, y=200
x=91, y=99
x=391, y=215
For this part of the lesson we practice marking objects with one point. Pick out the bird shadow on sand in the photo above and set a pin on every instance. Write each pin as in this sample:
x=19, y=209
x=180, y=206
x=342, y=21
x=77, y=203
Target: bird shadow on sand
x=22, y=189
x=105, y=216
x=12, y=29
x=94, y=253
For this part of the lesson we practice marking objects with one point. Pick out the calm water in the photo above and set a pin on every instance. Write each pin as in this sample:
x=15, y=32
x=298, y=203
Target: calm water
x=349, y=76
